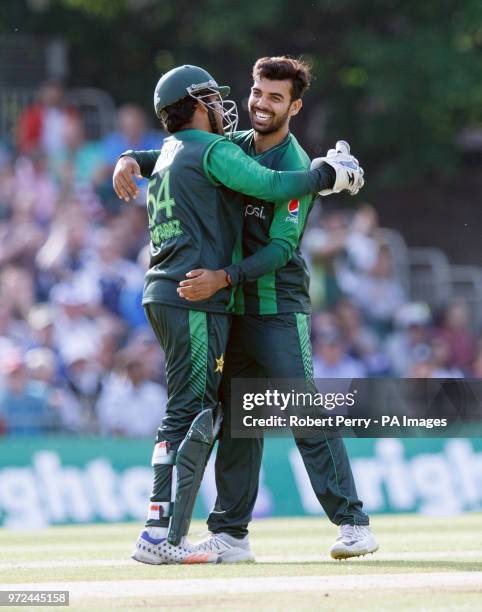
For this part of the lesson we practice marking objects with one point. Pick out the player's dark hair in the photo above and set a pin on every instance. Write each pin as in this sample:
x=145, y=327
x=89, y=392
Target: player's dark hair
x=282, y=68
x=175, y=116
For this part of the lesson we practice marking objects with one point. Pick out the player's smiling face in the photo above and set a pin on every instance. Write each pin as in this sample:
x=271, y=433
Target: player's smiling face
x=270, y=105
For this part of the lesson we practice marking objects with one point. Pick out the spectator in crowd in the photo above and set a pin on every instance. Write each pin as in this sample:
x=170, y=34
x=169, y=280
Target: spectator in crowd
x=76, y=164
x=131, y=133
x=378, y=292
x=131, y=225
x=364, y=267
x=17, y=290
x=322, y=244
x=434, y=361
x=110, y=340
x=323, y=321
x=34, y=185
x=410, y=344
x=83, y=382
x=20, y=234
x=110, y=272
x=42, y=125
x=40, y=363
x=13, y=330
x=331, y=359
x=42, y=369
x=359, y=250
x=74, y=324
x=339, y=250
x=443, y=359
x=363, y=240
x=476, y=366
x=362, y=342
x=455, y=330
x=131, y=404
x=42, y=330
x=66, y=250
x=24, y=404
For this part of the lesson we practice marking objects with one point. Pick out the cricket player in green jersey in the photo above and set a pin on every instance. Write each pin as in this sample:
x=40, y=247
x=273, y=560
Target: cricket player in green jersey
x=271, y=338
x=195, y=213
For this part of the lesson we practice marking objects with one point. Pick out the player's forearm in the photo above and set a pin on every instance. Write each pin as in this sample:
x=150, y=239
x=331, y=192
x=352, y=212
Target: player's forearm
x=268, y=259
x=146, y=160
x=294, y=185
x=230, y=166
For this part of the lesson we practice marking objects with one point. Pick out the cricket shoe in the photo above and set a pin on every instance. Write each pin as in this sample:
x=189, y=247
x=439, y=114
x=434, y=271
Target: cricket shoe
x=228, y=548
x=156, y=551
x=353, y=541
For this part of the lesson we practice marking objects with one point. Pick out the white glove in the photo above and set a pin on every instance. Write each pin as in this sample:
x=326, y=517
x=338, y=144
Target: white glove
x=349, y=173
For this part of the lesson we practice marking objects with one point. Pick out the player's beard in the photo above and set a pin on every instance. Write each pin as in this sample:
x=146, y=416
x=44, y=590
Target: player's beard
x=274, y=125
x=216, y=121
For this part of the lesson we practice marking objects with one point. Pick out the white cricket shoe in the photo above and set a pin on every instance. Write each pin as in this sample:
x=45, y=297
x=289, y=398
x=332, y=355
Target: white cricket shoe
x=353, y=541
x=159, y=552
x=228, y=548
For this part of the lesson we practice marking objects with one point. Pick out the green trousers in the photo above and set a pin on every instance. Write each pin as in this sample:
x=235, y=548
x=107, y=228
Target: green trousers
x=194, y=343
x=275, y=346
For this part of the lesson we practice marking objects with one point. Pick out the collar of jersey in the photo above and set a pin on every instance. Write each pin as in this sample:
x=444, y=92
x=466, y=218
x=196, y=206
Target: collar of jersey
x=188, y=132
x=281, y=144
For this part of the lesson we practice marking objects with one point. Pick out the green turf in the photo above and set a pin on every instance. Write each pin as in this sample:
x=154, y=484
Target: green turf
x=286, y=547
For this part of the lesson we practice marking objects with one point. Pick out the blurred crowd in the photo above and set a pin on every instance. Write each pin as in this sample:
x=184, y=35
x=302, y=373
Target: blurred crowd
x=76, y=353
x=364, y=324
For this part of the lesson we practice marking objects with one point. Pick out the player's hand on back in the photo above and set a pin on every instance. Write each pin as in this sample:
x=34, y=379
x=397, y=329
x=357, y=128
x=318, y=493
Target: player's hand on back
x=201, y=284
x=123, y=178
x=349, y=173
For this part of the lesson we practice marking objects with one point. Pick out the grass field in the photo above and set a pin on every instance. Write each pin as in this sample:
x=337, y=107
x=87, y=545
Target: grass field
x=424, y=563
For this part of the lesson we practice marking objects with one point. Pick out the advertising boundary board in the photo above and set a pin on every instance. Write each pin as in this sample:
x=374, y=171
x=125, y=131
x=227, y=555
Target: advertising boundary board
x=62, y=480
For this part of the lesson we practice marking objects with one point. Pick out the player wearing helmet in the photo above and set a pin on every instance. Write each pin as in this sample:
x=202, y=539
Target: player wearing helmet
x=271, y=338
x=195, y=222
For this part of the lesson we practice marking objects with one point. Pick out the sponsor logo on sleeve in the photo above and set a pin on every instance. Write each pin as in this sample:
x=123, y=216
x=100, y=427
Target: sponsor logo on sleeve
x=293, y=211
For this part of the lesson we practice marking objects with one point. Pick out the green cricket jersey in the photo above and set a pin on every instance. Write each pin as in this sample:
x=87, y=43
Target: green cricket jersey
x=196, y=212
x=273, y=276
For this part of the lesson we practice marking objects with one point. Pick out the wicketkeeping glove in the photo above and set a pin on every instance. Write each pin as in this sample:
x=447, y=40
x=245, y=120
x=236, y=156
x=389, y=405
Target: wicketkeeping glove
x=349, y=173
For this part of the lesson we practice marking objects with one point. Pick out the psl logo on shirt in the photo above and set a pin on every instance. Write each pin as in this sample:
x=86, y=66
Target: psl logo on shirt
x=255, y=211
x=293, y=211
